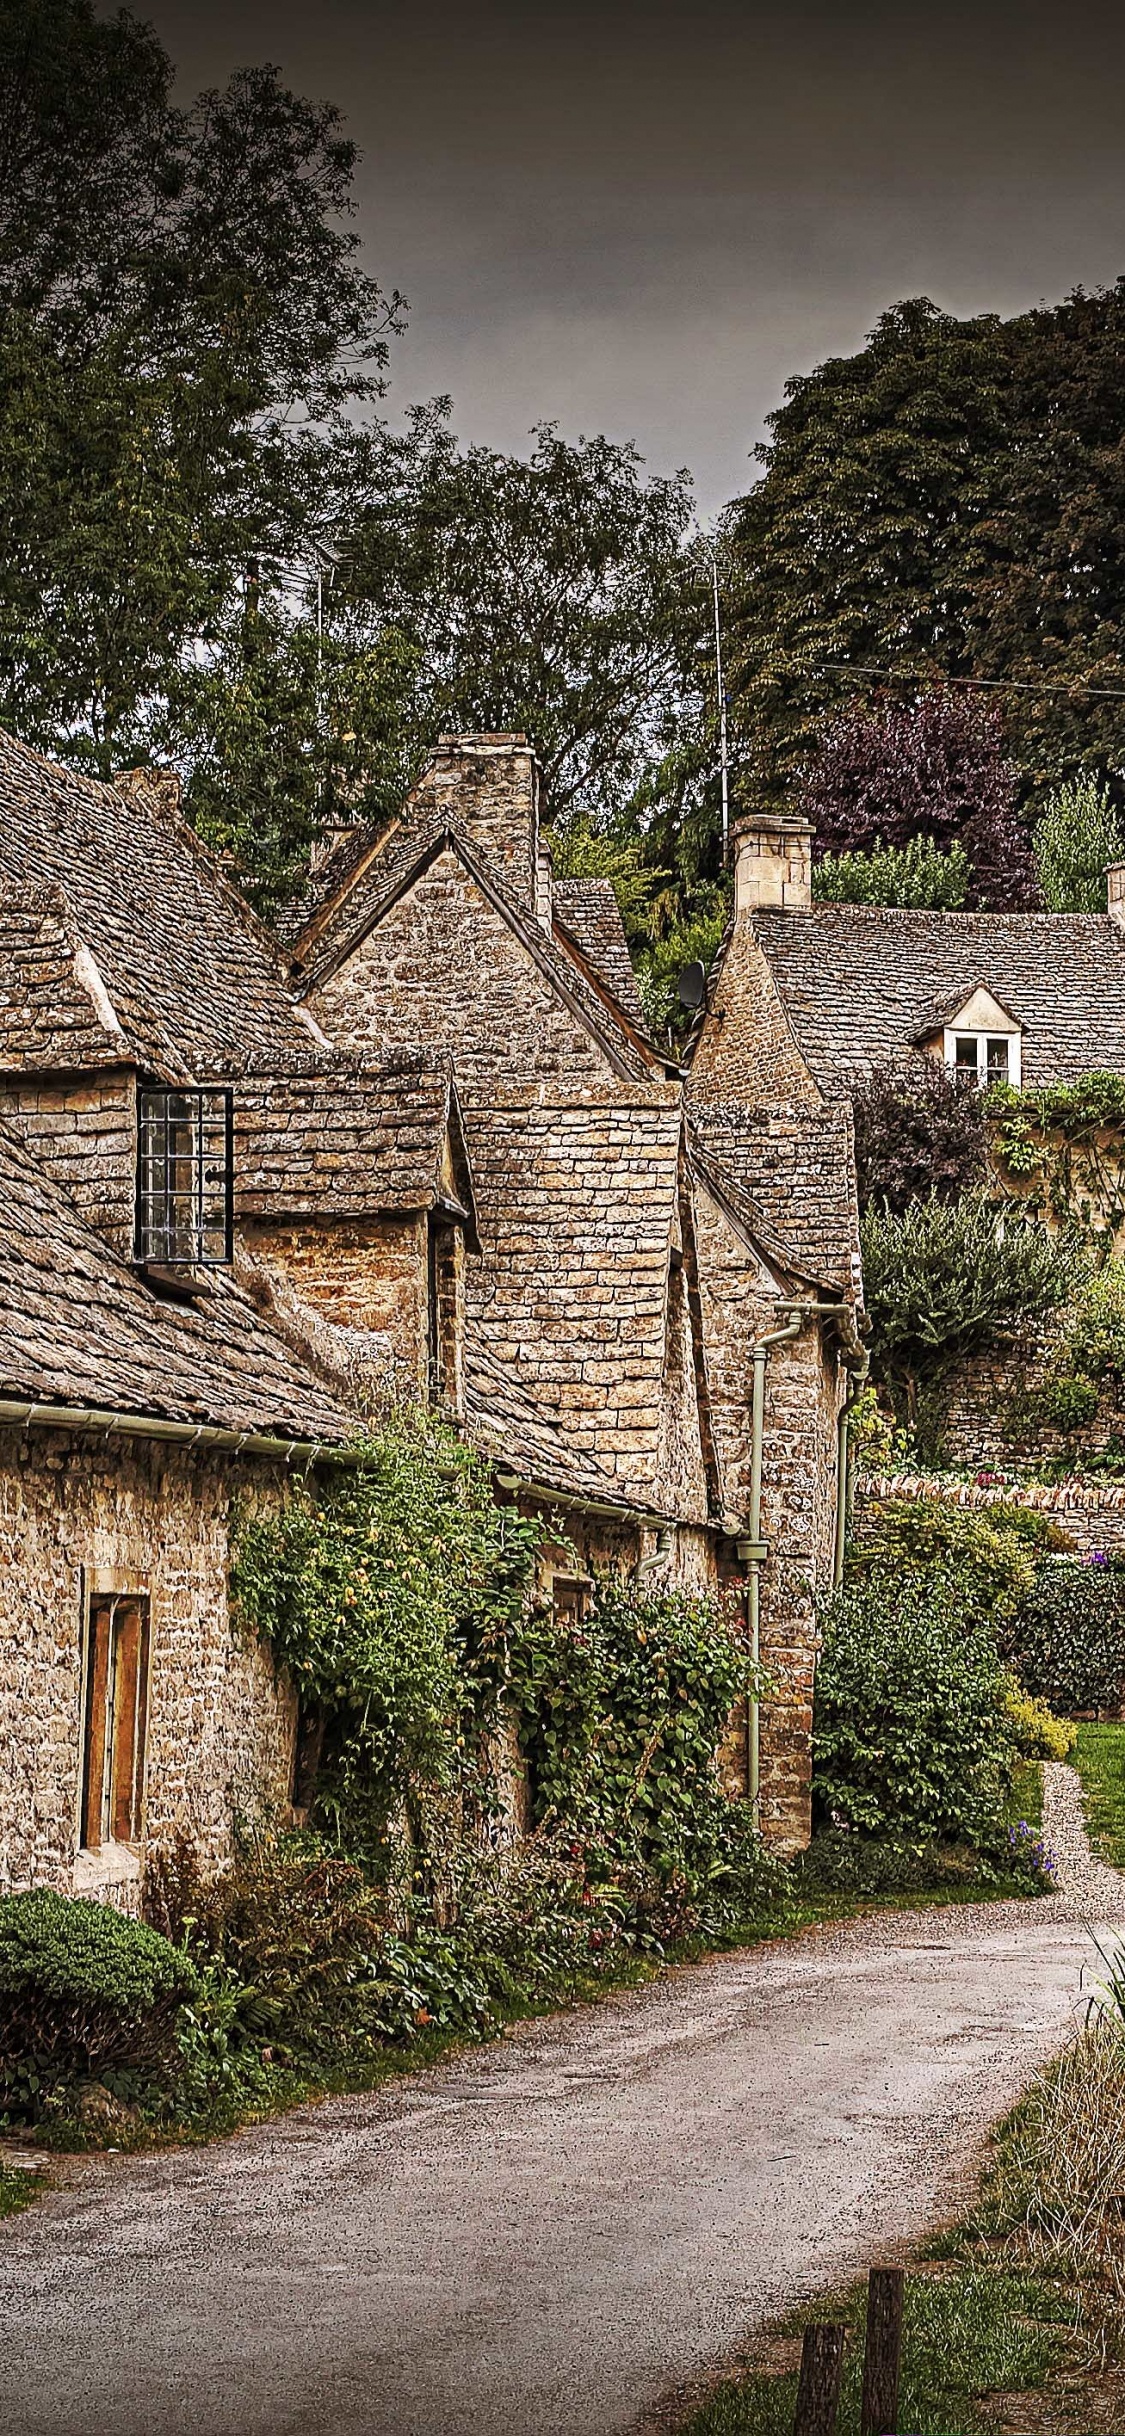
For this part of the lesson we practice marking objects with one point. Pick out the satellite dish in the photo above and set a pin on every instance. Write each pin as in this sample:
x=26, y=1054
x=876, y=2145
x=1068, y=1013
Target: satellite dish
x=691, y=985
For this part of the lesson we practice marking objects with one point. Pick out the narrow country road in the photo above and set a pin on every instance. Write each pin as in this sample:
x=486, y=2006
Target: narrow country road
x=547, y=2236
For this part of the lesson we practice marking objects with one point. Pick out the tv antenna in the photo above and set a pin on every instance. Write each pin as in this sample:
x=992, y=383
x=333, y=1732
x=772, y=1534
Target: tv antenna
x=724, y=765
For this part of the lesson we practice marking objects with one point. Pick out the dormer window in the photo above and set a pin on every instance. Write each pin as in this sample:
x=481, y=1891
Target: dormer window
x=983, y=1057
x=185, y=1168
x=982, y=1040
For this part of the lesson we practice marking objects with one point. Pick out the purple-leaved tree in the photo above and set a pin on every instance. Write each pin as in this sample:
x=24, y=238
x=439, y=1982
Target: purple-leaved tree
x=936, y=767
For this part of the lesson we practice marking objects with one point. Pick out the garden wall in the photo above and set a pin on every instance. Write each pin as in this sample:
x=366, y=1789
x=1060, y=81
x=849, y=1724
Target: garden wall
x=1092, y=1515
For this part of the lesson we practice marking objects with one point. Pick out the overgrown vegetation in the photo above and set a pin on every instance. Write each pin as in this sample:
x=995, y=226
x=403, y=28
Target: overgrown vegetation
x=918, y=1133
x=919, y=874
x=946, y=1280
x=1077, y=835
x=1066, y=1641
x=1064, y=1145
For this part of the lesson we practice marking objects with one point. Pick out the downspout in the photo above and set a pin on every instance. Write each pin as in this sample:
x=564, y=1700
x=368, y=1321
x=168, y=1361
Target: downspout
x=857, y=1373
x=752, y=1549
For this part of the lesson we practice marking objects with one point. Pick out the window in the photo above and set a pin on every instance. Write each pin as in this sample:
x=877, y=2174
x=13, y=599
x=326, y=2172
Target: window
x=185, y=1208
x=984, y=1057
x=445, y=1297
x=115, y=1720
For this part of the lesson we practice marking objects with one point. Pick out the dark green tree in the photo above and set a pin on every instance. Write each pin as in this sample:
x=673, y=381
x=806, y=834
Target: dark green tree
x=945, y=504
x=182, y=318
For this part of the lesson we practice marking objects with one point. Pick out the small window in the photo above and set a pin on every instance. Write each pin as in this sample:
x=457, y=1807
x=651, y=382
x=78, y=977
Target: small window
x=571, y=1597
x=983, y=1057
x=115, y=1721
x=185, y=1166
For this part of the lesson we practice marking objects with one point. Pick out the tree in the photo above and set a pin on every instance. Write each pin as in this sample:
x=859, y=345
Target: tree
x=1079, y=833
x=553, y=593
x=919, y=1132
x=182, y=319
x=945, y=503
x=888, y=774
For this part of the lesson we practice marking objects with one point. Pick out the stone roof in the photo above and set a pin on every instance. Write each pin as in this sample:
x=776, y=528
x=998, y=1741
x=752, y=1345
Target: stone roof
x=589, y=910
x=348, y=1137
x=190, y=972
x=54, y=1011
x=389, y=864
x=861, y=983
x=795, y=1169
x=80, y=1328
x=506, y=1424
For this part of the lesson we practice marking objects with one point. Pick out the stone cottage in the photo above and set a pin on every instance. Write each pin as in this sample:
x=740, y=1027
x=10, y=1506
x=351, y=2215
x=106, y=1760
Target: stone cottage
x=425, y=1139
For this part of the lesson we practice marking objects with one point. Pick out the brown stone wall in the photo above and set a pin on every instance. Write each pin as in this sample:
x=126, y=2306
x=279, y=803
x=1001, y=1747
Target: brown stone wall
x=803, y=1388
x=746, y=1050
x=83, y=1130
x=1092, y=1513
x=575, y=1176
x=220, y=1734
x=359, y=1273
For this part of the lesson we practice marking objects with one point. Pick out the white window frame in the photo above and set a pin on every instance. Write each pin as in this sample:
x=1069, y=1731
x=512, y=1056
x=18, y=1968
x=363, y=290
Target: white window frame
x=1012, y=1043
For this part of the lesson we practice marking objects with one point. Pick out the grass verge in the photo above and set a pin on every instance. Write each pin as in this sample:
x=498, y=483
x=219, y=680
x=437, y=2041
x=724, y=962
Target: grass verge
x=1016, y=2319
x=1099, y=1756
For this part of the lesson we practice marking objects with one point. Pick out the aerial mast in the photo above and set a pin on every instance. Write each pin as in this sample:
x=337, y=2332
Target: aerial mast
x=723, y=758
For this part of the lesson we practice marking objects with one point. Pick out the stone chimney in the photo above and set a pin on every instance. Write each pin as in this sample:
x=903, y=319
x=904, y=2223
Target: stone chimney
x=1115, y=892
x=491, y=787
x=772, y=862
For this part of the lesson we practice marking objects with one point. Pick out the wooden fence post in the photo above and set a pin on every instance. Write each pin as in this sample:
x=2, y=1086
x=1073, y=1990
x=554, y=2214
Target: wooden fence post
x=883, y=2356
x=818, y=2394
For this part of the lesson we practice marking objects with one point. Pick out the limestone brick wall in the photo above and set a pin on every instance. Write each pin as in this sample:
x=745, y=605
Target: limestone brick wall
x=746, y=1050
x=220, y=1732
x=491, y=786
x=359, y=1273
x=1092, y=1513
x=83, y=1130
x=574, y=1167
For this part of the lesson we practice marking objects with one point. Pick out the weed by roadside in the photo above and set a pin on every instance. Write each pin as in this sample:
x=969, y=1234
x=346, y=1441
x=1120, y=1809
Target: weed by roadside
x=19, y=2185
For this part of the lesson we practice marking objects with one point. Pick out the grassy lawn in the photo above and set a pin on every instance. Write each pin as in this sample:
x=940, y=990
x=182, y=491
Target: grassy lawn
x=1099, y=1756
x=969, y=2329
x=1025, y=1801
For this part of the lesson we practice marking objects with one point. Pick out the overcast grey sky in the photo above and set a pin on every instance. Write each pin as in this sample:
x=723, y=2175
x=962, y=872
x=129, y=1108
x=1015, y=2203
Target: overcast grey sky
x=642, y=219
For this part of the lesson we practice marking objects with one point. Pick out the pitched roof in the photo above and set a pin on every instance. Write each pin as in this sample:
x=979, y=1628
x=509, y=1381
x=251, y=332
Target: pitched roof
x=396, y=857
x=79, y=1328
x=860, y=983
x=589, y=910
x=505, y=1422
x=348, y=1137
x=54, y=1010
x=190, y=972
x=795, y=1168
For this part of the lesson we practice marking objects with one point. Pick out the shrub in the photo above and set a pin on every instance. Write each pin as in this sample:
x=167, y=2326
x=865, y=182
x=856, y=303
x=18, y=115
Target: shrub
x=917, y=874
x=909, y=1740
x=918, y=1132
x=1036, y=1733
x=1077, y=836
x=1067, y=1404
x=1067, y=1642
x=296, y=1926
x=988, y=1558
x=82, y=1990
x=944, y=1281
x=1094, y=1334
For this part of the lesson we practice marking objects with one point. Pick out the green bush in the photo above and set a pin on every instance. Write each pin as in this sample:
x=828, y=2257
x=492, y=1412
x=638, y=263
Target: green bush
x=1094, y=1334
x=945, y=1280
x=1067, y=1642
x=909, y=1738
x=1079, y=833
x=920, y=874
x=988, y=1557
x=82, y=1990
x=1067, y=1403
x=296, y=1928
x=1035, y=1731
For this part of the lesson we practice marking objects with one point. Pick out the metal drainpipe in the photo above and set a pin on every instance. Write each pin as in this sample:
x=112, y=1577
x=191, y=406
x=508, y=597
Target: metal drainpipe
x=857, y=1373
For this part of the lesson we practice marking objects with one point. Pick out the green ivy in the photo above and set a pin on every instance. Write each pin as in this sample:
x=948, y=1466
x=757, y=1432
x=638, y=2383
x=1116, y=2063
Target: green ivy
x=1067, y=1141
x=388, y=1592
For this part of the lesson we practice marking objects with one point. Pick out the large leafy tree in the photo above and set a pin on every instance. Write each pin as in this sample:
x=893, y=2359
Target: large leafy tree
x=889, y=773
x=182, y=316
x=947, y=503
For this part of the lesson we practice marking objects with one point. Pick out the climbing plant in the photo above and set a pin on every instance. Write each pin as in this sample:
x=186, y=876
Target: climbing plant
x=388, y=1592
x=1065, y=1144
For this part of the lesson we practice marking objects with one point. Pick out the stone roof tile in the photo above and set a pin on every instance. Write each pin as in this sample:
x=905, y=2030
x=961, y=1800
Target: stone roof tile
x=589, y=910
x=78, y=1327
x=347, y=1137
x=506, y=1423
x=862, y=983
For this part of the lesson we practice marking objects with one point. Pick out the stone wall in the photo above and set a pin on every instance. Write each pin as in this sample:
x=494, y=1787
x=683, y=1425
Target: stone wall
x=83, y=1130
x=78, y=1514
x=365, y=1273
x=983, y=1424
x=1092, y=1514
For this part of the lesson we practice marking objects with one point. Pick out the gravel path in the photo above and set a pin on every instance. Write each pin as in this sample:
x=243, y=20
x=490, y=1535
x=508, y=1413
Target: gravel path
x=1088, y=1888
x=550, y=2235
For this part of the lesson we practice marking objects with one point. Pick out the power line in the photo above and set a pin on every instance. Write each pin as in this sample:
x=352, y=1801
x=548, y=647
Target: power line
x=1001, y=685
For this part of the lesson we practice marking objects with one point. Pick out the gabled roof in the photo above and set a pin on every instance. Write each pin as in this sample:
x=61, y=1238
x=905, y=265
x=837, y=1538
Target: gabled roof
x=859, y=983
x=748, y=1216
x=506, y=1424
x=192, y=975
x=589, y=911
x=796, y=1170
x=399, y=857
x=78, y=1328
x=349, y=1137
x=55, y=1012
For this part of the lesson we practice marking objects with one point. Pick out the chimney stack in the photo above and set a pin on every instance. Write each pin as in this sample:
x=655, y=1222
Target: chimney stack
x=772, y=862
x=1115, y=892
